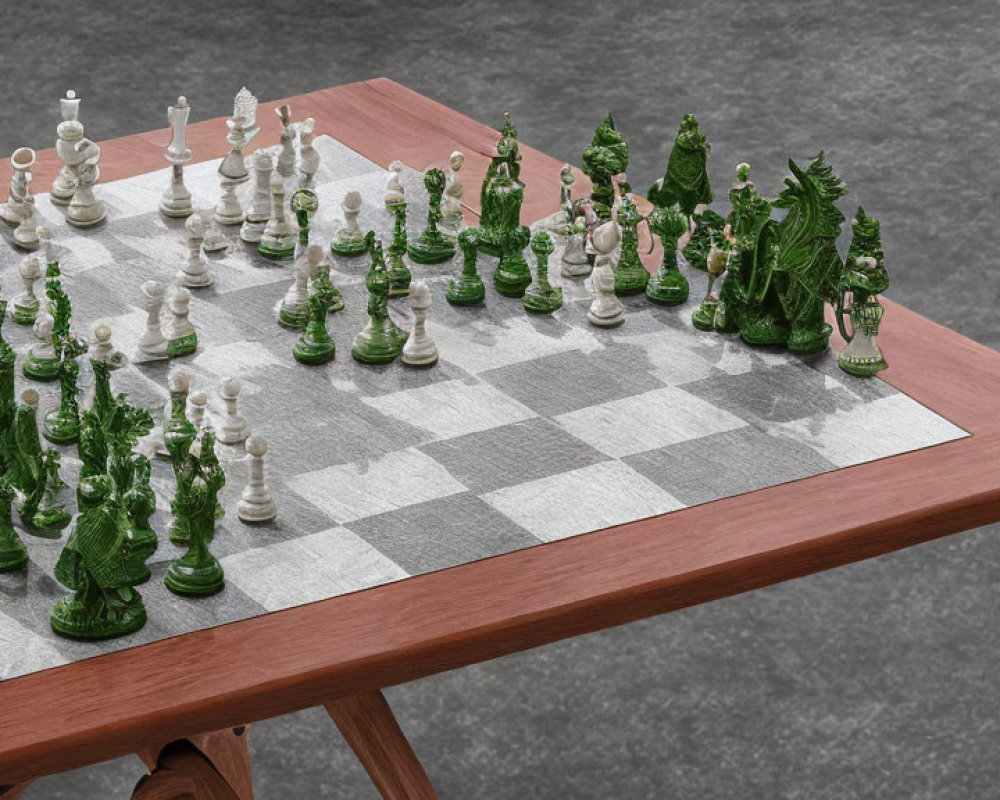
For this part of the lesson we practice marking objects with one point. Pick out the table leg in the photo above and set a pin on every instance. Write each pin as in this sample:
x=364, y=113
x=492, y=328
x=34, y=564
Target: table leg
x=209, y=766
x=370, y=728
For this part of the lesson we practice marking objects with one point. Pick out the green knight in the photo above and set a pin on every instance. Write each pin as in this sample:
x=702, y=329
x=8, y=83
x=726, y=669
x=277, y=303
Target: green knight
x=432, y=246
x=315, y=345
x=603, y=159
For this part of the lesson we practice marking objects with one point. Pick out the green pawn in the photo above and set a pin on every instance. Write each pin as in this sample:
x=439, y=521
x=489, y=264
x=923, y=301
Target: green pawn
x=630, y=274
x=315, y=346
x=26, y=305
x=381, y=340
x=541, y=297
x=197, y=573
x=13, y=554
x=668, y=286
x=469, y=289
x=399, y=274
x=606, y=157
x=432, y=246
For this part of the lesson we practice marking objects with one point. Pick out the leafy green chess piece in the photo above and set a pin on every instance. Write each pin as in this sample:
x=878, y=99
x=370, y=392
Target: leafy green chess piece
x=468, y=289
x=51, y=513
x=686, y=179
x=62, y=425
x=630, y=274
x=13, y=553
x=508, y=152
x=199, y=481
x=381, y=340
x=24, y=452
x=603, y=159
x=399, y=274
x=140, y=505
x=717, y=262
x=432, y=246
x=314, y=345
x=668, y=286
x=504, y=197
x=864, y=277
x=178, y=427
x=319, y=273
x=541, y=297
x=707, y=225
x=100, y=564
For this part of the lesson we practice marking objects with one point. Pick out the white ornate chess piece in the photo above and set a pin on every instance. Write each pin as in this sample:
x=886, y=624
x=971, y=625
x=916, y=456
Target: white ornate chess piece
x=351, y=206
x=233, y=170
x=286, y=156
x=451, y=200
x=26, y=234
x=256, y=503
x=85, y=209
x=215, y=241
x=394, y=194
x=196, y=273
x=566, y=181
x=278, y=233
x=234, y=428
x=419, y=349
x=606, y=311
x=26, y=304
x=176, y=200
x=43, y=349
x=14, y=211
x=70, y=131
x=182, y=340
x=153, y=344
x=308, y=155
x=260, y=206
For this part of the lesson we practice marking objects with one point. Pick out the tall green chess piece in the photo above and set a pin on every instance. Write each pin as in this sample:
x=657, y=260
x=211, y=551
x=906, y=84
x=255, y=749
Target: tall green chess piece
x=432, y=246
x=62, y=426
x=468, y=289
x=541, y=297
x=197, y=573
x=399, y=273
x=630, y=274
x=140, y=505
x=504, y=197
x=603, y=159
x=13, y=553
x=668, y=286
x=686, y=179
x=865, y=277
x=314, y=345
x=100, y=564
x=381, y=340
x=178, y=428
x=508, y=152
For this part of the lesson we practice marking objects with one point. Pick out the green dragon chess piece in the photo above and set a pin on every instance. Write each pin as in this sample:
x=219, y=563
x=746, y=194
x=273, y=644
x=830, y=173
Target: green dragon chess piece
x=686, y=179
x=508, y=152
x=349, y=241
x=630, y=274
x=315, y=346
x=319, y=273
x=381, y=340
x=603, y=159
x=504, y=197
x=716, y=263
x=668, y=286
x=13, y=553
x=197, y=573
x=100, y=564
x=399, y=274
x=468, y=289
x=432, y=246
x=541, y=297
x=865, y=277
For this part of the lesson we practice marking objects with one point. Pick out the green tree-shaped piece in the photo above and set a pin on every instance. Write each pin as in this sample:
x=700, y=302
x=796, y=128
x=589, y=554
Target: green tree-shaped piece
x=13, y=554
x=62, y=426
x=630, y=274
x=605, y=157
x=686, y=179
x=381, y=340
x=541, y=297
x=468, y=289
x=432, y=246
x=399, y=273
x=508, y=152
x=668, y=286
x=864, y=277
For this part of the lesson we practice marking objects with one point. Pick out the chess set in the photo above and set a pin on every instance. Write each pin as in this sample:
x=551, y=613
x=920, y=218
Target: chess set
x=412, y=415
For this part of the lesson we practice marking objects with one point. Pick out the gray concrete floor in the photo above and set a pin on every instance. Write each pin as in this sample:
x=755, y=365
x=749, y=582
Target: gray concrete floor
x=872, y=681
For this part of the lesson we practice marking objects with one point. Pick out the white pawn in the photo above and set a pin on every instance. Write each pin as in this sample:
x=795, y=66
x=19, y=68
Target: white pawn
x=183, y=339
x=234, y=428
x=197, y=405
x=196, y=272
x=394, y=194
x=606, y=311
x=260, y=206
x=26, y=304
x=42, y=363
x=351, y=206
x=451, y=202
x=45, y=244
x=286, y=158
x=256, y=503
x=294, y=310
x=419, y=349
x=308, y=156
x=152, y=344
x=26, y=234
x=102, y=348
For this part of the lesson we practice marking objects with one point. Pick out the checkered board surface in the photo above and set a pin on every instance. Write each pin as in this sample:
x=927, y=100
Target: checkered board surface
x=528, y=430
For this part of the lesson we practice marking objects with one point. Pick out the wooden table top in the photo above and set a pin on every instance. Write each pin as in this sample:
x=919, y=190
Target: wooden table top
x=105, y=707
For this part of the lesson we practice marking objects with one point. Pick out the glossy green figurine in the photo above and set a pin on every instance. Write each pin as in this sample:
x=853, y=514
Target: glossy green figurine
x=51, y=514
x=707, y=225
x=716, y=263
x=630, y=274
x=504, y=197
x=399, y=273
x=507, y=152
x=381, y=340
x=541, y=297
x=24, y=454
x=100, y=564
x=140, y=505
x=864, y=277
x=468, y=289
x=668, y=286
x=686, y=179
x=62, y=426
x=603, y=159
x=432, y=246
x=319, y=275
x=178, y=427
x=199, y=481
x=315, y=346
x=13, y=554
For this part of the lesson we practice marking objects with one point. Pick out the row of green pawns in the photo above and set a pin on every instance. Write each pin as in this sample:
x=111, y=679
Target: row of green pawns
x=105, y=555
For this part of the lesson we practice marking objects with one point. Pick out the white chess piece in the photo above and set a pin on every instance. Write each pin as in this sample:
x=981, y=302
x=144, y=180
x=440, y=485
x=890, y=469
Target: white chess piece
x=26, y=234
x=183, y=339
x=102, y=348
x=85, y=209
x=176, y=200
x=152, y=344
x=69, y=131
x=45, y=245
x=278, y=231
x=233, y=171
x=195, y=273
x=394, y=194
x=42, y=349
x=256, y=503
x=26, y=304
x=575, y=262
x=215, y=241
x=14, y=211
x=419, y=349
x=351, y=206
x=308, y=155
x=606, y=311
x=286, y=158
x=197, y=405
x=234, y=428
x=294, y=310
x=451, y=201
x=260, y=206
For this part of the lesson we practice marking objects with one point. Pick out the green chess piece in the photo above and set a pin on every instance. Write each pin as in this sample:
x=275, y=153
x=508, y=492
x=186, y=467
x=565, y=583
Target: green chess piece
x=468, y=289
x=349, y=240
x=51, y=513
x=13, y=553
x=180, y=429
x=42, y=364
x=381, y=340
x=603, y=159
x=294, y=311
x=704, y=317
x=62, y=425
x=507, y=153
x=140, y=505
x=197, y=573
x=319, y=273
x=668, y=286
x=630, y=274
x=399, y=274
x=315, y=346
x=24, y=456
x=686, y=179
x=541, y=297
x=304, y=205
x=432, y=246
x=504, y=198
x=100, y=565
x=26, y=305
x=707, y=225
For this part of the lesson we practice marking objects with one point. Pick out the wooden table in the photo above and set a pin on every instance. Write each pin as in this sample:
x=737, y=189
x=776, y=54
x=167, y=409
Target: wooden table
x=183, y=703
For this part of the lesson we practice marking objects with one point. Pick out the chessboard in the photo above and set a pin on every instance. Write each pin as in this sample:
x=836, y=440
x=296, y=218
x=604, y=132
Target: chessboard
x=529, y=429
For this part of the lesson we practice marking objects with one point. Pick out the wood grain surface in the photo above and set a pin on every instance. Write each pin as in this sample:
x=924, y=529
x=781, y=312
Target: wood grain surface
x=105, y=707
